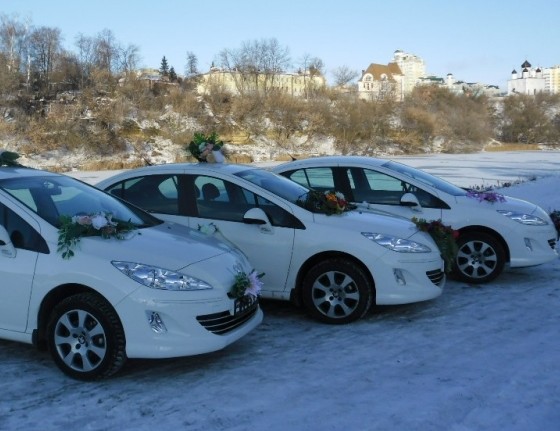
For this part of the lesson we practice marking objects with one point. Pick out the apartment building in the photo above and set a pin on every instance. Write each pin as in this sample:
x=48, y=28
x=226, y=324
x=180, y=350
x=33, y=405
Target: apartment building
x=552, y=79
x=412, y=67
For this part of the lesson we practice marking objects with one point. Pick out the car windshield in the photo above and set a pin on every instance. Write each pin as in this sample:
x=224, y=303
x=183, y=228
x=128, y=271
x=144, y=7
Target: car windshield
x=53, y=196
x=425, y=178
x=279, y=185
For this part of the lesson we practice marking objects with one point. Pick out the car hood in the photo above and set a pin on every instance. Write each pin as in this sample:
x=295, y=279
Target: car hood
x=368, y=221
x=368, y=208
x=510, y=204
x=167, y=245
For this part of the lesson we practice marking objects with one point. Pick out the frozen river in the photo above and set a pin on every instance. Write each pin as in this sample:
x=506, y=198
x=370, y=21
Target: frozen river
x=464, y=170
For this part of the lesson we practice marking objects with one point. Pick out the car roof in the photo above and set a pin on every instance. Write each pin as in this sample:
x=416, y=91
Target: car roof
x=330, y=161
x=193, y=167
x=21, y=171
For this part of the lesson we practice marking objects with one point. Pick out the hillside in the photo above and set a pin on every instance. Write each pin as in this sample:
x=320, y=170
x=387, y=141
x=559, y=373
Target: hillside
x=131, y=125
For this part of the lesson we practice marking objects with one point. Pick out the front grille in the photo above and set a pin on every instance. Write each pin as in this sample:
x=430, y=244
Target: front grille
x=224, y=322
x=552, y=243
x=437, y=276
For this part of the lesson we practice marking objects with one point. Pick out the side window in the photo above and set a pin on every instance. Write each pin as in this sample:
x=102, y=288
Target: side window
x=154, y=193
x=376, y=187
x=222, y=200
x=24, y=195
x=277, y=216
x=22, y=235
x=379, y=188
x=320, y=178
x=379, y=181
x=299, y=177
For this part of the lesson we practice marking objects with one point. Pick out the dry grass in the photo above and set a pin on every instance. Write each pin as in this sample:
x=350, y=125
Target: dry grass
x=513, y=147
x=107, y=165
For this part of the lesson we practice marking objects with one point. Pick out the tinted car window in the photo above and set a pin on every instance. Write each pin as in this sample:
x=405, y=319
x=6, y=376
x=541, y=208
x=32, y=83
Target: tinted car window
x=22, y=234
x=51, y=197
x=154, y=193
x=224, y=200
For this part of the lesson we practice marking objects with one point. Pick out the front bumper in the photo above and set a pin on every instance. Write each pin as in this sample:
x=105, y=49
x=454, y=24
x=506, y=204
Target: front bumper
x=409, y=280
x=183, y=333
x=533, y=248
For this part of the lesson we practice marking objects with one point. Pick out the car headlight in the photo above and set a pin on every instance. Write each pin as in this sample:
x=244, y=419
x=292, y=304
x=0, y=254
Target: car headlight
x=160, y=278
x=527, y=219
x=397, y=244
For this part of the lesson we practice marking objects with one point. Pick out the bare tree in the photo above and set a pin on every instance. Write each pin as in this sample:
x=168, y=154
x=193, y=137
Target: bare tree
x=45, y=47
x=256, y=65
x=68, y=71
x=310, y=67
x=343, y=75
x=12, y=41
x=106, y=51
x=275, y=59
x=191, y=69
x=85, y=57
x=129, y=58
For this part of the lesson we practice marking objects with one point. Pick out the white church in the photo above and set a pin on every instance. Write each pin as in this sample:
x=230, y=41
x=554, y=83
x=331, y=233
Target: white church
x=530, y=81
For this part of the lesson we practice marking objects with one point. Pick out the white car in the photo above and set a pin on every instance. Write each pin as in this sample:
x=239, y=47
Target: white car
x=335, y=265
x=494, y=230
x=159, y=290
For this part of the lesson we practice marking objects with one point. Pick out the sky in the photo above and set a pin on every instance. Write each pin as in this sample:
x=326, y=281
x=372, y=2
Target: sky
x=477, y=358
x=477, y=40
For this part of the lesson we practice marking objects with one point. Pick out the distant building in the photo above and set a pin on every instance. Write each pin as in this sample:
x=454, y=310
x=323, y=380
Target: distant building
x=394, y=80
x=471, y=88
x=412, y=67
x=381, y=82
x=294, y=84
x=530, y=81
x=552, y=79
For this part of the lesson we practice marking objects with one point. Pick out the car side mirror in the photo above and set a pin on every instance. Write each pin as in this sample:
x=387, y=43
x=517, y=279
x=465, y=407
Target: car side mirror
x=7, y=249
x=410, y=200
x=255, y=216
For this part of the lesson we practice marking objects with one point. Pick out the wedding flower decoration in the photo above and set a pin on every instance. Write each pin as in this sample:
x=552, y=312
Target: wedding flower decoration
x=99, y=224
x=8, y=158
x=444, y=236
x=329, y=202
x=207, y=148
x=209, y=229
x=487, y=196
x=246, y=285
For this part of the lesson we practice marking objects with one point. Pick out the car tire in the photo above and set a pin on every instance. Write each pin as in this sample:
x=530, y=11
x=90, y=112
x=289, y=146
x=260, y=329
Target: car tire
x=480, y=258
x=337, y=291
x=85, y=337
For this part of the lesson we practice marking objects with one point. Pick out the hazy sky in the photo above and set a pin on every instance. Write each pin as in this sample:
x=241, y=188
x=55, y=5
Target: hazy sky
x=476, y=40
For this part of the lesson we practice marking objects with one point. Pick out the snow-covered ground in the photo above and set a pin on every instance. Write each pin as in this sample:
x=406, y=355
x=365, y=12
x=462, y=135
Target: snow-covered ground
x=476, y=358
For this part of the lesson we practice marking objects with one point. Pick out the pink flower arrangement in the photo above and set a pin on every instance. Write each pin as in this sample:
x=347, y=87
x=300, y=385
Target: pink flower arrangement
x=246, y=285
x=100, y=224
x=486, y=196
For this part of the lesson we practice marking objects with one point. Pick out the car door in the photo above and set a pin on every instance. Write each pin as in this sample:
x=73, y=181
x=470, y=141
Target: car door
x=268, y=246
x=17, y=270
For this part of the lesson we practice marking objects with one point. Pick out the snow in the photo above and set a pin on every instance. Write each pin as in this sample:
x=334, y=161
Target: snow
x=476, y=358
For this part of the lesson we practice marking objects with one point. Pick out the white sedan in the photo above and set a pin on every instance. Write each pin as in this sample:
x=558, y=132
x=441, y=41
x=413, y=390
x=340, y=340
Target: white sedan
x=100, y=294
x=335, y=265
x=494, y=230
